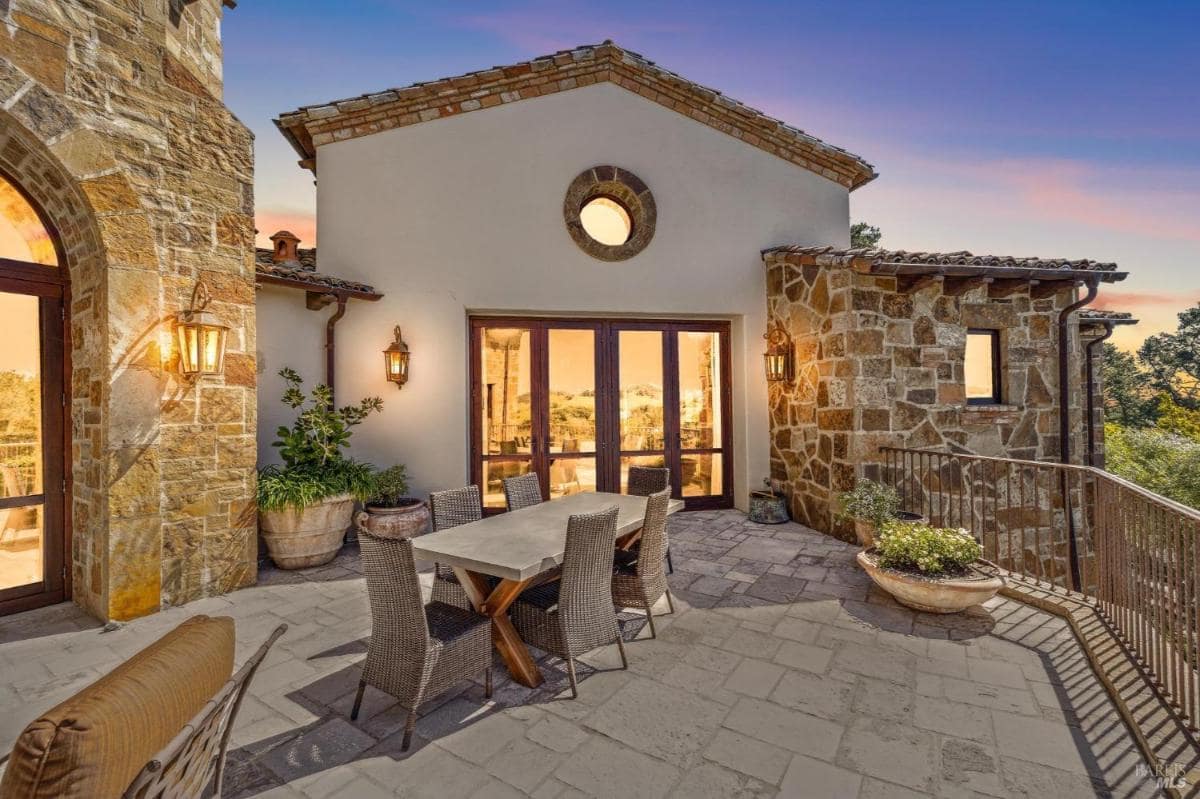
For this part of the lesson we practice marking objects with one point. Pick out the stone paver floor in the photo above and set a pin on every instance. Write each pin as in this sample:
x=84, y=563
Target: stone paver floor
x=783, y=673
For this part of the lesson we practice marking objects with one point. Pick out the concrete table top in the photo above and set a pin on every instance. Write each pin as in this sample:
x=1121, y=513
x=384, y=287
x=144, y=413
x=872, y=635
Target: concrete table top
x=522, y=544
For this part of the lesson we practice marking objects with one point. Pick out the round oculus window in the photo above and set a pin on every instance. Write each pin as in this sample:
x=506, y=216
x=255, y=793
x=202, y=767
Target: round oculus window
x=606, y=221
x=610, y=213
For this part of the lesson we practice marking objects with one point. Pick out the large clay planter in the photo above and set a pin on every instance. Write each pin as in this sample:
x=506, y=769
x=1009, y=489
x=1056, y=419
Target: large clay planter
x=402, y=522
x=311, y=536
x=933, y=594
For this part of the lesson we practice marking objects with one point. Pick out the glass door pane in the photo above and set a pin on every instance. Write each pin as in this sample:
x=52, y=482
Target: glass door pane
x=571, y=395
x=701, y=415
x=640, y=400
x=506, y=408
x=22, y=543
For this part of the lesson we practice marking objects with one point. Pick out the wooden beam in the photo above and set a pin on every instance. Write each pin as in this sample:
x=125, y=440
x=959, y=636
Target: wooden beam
x=908, y=284
x=958, y=286
x=316, y=300
x=1048, y=288
x=1006, y=287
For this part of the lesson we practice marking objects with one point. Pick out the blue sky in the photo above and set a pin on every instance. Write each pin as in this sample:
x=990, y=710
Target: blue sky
x=1055, y=129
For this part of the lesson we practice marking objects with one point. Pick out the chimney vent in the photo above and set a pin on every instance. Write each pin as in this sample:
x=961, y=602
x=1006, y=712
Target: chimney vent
x=285, y=243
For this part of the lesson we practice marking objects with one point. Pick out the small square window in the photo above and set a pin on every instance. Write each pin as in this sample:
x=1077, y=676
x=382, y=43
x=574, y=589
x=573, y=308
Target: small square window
x=983, y=367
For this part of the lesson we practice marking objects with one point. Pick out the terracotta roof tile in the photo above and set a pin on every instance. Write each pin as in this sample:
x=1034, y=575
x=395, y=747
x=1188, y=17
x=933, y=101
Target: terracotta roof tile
x=310, y=126
x=833, y=256
x=304, y=270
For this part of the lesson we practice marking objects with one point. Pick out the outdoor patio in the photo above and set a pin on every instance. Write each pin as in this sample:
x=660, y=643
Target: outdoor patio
x=783, y=673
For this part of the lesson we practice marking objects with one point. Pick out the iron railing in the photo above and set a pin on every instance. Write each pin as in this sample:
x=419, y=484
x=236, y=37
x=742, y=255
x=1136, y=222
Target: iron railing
x=1129, y=552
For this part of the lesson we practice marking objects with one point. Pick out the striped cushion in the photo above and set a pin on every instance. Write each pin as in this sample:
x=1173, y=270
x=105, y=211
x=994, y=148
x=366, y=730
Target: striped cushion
x=93, y=745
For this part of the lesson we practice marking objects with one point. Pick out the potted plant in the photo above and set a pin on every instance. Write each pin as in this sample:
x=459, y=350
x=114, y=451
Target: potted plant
x=305, y=505
x=389, y=513
x=872, y=505
x=931, y=569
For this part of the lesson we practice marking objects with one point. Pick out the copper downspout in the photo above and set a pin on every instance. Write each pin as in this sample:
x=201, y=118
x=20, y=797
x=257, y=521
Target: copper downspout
x=1064, y=420
x=330, y=343
x=1091, y=391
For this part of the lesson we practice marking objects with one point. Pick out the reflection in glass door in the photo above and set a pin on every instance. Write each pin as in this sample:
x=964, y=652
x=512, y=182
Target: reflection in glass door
x=21, y=524
x=641, y=403
x=505, y=362
x=701, y=461
x=571, y=394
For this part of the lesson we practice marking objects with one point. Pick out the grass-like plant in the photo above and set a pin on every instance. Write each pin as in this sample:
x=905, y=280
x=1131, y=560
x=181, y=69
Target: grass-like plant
x=916, y=546
x=391, y=488
x=870, y=501
x=315, y=466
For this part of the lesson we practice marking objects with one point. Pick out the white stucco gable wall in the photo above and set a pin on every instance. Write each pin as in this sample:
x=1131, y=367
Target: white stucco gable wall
x=464, y=214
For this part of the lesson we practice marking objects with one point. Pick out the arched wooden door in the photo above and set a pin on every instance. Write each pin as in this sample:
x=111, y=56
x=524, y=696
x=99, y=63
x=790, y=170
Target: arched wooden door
x=34, y=372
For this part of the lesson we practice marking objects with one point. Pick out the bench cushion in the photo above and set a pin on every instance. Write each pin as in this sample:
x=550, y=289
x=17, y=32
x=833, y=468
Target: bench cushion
x=93, y=745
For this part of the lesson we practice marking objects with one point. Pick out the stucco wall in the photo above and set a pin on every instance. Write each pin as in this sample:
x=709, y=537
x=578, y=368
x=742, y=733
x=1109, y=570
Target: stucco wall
x=465, y=214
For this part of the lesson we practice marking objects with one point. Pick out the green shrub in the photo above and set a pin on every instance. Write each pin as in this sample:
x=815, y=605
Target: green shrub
x=870, y=501
x=915, y=546
x=315, y=467
x=391, y=486
x=1157, y=460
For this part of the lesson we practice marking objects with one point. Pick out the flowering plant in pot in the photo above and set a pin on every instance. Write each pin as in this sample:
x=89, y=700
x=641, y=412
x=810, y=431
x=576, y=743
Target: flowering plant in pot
x=872, y=505
x=931, y=569
x=390, y=512
x=305, y=505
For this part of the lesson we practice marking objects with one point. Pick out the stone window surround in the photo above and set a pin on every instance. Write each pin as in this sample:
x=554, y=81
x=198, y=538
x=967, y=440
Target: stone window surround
x=623, y=187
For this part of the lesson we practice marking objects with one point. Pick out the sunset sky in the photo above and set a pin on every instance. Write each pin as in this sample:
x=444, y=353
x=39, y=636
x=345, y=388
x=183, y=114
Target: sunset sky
x=1068, y=129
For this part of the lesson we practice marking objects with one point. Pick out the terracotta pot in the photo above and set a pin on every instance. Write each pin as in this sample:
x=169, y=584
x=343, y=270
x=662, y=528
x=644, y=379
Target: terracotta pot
x=310, y=536
x=933, y=594
x=405, y=521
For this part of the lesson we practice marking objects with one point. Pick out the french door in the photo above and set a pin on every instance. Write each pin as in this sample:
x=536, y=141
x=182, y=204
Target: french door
x=580, y=401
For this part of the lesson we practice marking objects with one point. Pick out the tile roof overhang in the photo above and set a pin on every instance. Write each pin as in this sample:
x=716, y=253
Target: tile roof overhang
x=312, y=126
x=302, y=274
x=1093, y=316
x=950, y=264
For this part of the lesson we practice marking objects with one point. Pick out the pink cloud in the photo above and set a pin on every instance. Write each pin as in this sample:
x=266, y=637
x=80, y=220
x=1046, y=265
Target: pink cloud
x=1118, y=300
x=268, y=222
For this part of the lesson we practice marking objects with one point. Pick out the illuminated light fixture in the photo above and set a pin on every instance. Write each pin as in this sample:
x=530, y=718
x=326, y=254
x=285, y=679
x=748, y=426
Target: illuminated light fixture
x=778, y=357
x=395, y=360
x=201, y=338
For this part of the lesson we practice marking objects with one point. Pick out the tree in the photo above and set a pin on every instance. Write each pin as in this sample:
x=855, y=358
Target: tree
x=1174, y=360
x=1128, y=397
x=864, y=235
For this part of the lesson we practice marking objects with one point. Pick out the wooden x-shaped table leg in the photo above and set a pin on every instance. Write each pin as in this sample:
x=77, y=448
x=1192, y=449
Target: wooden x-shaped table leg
x=493, y=603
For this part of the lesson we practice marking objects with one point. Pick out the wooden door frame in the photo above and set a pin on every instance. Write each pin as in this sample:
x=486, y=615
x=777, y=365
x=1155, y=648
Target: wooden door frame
x=55, y=444
x=608, y=462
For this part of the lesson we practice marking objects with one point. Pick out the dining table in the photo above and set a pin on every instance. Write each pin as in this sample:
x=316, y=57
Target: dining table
x=517, y=548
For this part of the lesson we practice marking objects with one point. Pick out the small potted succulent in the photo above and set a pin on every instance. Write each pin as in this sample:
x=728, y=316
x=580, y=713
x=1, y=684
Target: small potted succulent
x=305, y=506
x=389, y=512
x=872, y=505
x=931, y=569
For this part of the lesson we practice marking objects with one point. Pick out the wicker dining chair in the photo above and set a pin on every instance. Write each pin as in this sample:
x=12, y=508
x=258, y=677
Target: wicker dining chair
x=450, y=509
x=647, y=480
x=575, y=614
x=522, y=491
x=639, y=580
x=194, y=760
x=417, y=651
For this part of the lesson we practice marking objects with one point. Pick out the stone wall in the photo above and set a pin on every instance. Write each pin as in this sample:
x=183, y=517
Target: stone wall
x=113, y=124
x=877, y=366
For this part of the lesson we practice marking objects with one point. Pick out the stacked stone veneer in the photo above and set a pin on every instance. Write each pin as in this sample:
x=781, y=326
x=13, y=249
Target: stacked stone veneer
x=113, y=123
x=876, y=366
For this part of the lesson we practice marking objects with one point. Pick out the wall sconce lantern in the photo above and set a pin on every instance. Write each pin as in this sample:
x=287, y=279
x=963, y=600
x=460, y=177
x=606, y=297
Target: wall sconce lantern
x=395, y=359
x=201, y=337
x=778, y=357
